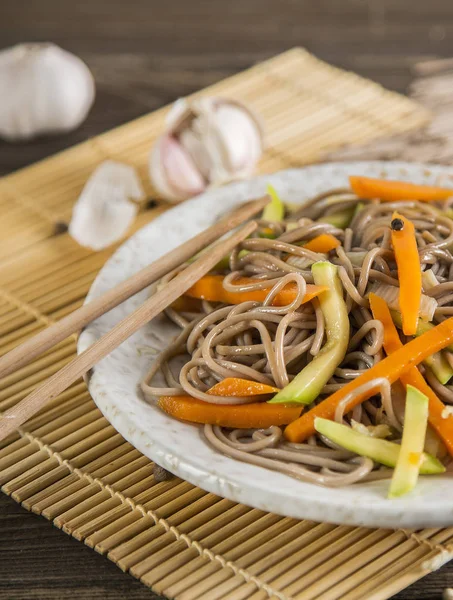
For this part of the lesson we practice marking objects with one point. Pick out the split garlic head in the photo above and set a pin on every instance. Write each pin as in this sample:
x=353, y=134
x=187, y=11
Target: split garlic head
x=44, y=90
x=107, y=205
x=208, y=142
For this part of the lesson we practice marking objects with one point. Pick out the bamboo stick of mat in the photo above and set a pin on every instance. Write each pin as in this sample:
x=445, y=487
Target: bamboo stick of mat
x=52, y=335
x=15, y=416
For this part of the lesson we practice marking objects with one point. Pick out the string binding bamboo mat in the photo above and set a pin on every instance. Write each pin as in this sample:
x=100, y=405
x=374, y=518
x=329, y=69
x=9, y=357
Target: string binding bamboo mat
x=69, y=465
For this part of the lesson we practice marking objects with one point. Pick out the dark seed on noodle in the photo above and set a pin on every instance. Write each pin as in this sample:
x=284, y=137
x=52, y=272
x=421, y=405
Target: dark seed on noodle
x=397, y=224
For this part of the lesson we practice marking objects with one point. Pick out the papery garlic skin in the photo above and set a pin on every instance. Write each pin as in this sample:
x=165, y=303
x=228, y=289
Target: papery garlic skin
x=44, y=90
x=208, y=142
x=104, y=211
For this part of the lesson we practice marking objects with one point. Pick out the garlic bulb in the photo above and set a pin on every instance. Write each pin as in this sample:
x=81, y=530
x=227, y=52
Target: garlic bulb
x=104, y=210
x=44, y=90
x=208, y=142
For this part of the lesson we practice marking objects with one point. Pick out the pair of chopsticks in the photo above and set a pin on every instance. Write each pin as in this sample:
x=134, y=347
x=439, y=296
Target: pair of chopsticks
x=26, y=352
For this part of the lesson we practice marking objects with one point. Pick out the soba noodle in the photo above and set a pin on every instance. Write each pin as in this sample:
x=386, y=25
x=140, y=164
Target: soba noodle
x=271, y=344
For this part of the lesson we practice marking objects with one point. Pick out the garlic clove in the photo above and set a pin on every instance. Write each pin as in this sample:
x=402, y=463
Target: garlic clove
x=192, y=141
x=210, y=141
x=205, y=127
x=173, y=172
x=179, y=115
x=104, y=210
x=240, y=138
x=45, y=90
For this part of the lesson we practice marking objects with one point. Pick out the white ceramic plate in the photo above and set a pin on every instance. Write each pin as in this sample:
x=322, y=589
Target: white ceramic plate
x=179, y=447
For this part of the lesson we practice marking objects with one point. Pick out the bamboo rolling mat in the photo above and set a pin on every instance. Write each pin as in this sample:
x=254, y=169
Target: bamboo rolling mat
x=69, y=465
x=432, y=88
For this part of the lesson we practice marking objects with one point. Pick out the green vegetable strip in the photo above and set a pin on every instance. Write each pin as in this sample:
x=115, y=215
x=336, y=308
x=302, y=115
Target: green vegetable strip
x=224, y=263
x=358, y=207
x=381, y=451
x=339, y=219
x=407, y=467
x=440, y=367
x=307, y=385
x=275, y=210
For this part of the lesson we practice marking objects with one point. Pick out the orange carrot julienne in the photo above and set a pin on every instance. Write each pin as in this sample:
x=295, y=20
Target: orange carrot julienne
x=323, y=243
x=186, y=304
x=392, y=191
x=240, y=388
x=392, y=367
x=210, y=287
x=257, y=415
x=392, y=343
x=407, y=259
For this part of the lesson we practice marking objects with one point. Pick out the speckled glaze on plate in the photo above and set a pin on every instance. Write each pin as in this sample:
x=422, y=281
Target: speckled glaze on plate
x=179, y=447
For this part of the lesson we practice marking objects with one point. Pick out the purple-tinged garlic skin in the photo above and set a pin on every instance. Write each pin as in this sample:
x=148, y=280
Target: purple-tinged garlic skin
x=173, y=172
x=209, y=142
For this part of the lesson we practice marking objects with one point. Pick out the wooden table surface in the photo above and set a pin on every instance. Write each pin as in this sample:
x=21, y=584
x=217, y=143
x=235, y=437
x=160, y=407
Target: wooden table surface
x=146, y=53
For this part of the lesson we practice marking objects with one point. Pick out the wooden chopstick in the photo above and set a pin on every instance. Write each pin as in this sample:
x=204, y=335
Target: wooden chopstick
x=15, y=416
x=52, y=335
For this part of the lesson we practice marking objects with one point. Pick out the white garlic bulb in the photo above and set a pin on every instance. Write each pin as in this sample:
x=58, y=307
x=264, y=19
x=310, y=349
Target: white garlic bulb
x=44, y=89
x=208, y=142
x=107, y=205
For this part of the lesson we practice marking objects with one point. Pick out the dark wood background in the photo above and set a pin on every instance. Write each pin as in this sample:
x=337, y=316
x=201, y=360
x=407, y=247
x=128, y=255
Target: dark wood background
x=146, y=53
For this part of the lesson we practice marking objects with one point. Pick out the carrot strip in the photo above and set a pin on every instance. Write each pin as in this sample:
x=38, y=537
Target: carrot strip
x=392, y=191
x=210, y=287
x=242, y=416
x=392, y=368
x=240, y=388
x=187, y=304
x=407, y=258
x=323, y=243
x=392, y=343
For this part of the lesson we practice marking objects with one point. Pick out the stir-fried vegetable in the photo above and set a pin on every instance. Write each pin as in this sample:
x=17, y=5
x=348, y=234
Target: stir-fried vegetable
x=224, y=263
x=258, y=415
x=240, y=388
x=392, y=191
x=429, y=280
x=391, y=293
x=422, y=326
x=358, y=207
x=210, y=287
x=407, y=259
x=292, y=225
x=186, y=304
x=275, y=210
x=440, y=367
x=382, y=451
x=340, y=219
x=323, y=243
x=307, y=386
x=392, y=344
x=377, y=431
x=411, y=454
x=438, y=364
x=433, y=444
x=392, y=368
